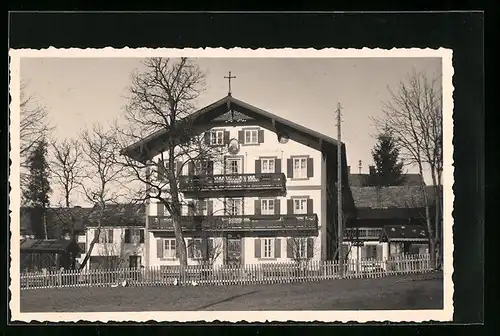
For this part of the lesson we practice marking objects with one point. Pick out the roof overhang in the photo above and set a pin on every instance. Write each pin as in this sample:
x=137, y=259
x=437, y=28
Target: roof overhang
x=154, y=144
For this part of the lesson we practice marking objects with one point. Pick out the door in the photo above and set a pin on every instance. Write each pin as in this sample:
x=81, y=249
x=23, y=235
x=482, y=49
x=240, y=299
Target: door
x=134, y=262
x=233, y=256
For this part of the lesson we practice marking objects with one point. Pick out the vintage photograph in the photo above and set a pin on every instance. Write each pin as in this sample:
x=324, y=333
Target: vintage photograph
x=280, y=185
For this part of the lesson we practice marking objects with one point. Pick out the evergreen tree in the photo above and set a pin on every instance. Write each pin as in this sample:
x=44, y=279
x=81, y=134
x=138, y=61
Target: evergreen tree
x=388, y=166
x=37, y=191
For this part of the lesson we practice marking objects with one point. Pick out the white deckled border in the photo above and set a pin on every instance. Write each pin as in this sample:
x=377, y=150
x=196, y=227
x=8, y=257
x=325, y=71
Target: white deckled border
x=445, y=314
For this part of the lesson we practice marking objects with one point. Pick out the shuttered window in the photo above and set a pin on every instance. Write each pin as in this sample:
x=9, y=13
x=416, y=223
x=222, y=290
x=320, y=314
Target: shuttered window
x=267, y=207
x=169, y=248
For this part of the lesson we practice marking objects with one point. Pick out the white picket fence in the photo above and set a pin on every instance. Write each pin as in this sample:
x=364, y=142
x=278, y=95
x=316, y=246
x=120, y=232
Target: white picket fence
x=227, y=275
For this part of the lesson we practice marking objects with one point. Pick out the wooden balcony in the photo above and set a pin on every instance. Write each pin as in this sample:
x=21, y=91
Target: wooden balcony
x=238, y=223
x=233, y=184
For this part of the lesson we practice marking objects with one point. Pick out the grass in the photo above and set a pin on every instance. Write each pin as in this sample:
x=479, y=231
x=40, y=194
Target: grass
x=393, y=293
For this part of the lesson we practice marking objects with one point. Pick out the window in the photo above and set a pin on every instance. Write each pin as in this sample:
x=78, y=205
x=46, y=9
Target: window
x=251, y=137
x=300, y=206
x=267, y=166
x=370, y=251
x=106, y=236
x=201, y=208
x=234, y=207
x=217, y=137
x=300, y=167
x=169, y=249
x=268, y=248
x=301, y=248
x=197, y=248
x=267, y=206
x=134, y=236
x=233, y=166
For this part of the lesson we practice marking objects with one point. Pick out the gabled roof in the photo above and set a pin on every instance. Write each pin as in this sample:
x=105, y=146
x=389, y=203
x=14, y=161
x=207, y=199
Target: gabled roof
x=403, y=233
x=216, y=110
x=404, y=197
x=47, y=245
x=360, y=180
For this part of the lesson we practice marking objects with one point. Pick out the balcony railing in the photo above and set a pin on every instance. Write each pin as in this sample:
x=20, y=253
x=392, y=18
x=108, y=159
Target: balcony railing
x=197, y=183
x=237, y=223
x=362, y=233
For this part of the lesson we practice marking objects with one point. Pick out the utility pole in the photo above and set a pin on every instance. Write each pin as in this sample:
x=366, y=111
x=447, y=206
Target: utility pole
x=339, y=192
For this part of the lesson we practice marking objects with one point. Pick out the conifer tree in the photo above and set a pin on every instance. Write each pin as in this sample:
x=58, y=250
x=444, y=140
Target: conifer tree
x=388, y=166
x=37, y=191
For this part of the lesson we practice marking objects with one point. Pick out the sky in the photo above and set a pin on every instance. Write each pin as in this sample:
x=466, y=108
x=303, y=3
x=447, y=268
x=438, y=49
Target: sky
x=81, y=91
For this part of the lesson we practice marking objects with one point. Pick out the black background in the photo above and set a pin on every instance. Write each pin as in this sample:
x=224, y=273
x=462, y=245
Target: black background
x=462, y=32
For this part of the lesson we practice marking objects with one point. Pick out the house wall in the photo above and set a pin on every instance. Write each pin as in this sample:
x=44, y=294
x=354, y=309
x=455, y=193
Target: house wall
x=117, y=247
x=312, y=187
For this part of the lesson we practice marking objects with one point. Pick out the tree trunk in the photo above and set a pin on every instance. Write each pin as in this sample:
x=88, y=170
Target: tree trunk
x=432, y=240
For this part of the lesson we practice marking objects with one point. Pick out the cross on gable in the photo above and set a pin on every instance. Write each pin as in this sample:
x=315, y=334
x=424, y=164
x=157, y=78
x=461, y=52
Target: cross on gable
x=229, y=79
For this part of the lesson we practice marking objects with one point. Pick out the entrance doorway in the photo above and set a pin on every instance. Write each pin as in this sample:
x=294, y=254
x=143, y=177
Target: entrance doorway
x=233, y=256
x=134, y=262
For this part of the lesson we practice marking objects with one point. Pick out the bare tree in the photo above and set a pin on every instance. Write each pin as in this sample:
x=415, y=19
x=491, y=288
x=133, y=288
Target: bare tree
x=103, y=179
x=162, y=97
x=34, y=127
x=414, y=116
x=67, y=171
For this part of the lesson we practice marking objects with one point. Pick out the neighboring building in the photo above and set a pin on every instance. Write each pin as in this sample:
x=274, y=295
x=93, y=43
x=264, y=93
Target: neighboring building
x=49, y=254
x=362, y=179
x=270, y=198
x=388, y=221
x=121, y=239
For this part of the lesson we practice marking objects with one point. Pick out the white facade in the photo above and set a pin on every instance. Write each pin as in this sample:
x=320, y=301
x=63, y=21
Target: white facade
x=123, y=244
x=305, y=173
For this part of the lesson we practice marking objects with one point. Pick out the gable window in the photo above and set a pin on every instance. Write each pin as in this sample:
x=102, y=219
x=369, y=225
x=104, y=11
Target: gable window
x=267, y=165
x=267, y=207
x=300, y=206
x=268, y=248
x=169, y=248
x=217, y=137
x=300, y=167
x=251, y=137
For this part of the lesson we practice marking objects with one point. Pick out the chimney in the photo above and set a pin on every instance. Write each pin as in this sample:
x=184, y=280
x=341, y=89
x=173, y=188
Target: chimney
x=372, y=170
x=348, y=170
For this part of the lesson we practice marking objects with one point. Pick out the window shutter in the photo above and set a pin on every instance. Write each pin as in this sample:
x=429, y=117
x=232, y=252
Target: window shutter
x=190, y=248
x=159, y=248
x=277, y=207
x=310, y=210
x=226, y=137
x=257, y=207
x=161, y=170
x=190, y=168
x=127, y=236
x=310, y=167
x=289, y=206
x=277, y=248
x=289, y=248
x=363, y=252
x=258, y=166
x=257, y=248
x=241, y=137
x=289, y=168
x=179, y=168
x=310, y=248
x=110, y=236
x=379, y=252
x=190, y=208
x=160, y=209
x=141, y=236
x=261, y=136
x=210, y=208
x=277, y=166
x=207, y=138
x=210, y=248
